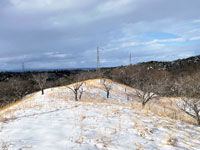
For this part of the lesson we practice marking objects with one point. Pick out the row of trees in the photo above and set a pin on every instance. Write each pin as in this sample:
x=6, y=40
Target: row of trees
x=77, y=87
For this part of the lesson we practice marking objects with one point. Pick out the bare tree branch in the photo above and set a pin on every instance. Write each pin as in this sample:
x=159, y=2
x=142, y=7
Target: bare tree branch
x=75, y=88
x=145, y=96
x=107, y=86
x=190, y=106
x=41, y=80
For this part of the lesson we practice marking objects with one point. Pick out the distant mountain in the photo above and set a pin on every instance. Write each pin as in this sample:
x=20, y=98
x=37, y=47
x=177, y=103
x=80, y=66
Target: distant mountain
x=180, y=64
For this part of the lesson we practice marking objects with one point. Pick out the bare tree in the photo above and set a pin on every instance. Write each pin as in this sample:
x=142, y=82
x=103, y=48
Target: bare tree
x=75, y=88
x=145, y=85
x=107, y=86
x=189, y=89
x=146, y=95
x=128, y=94
x=14, y=89
x=19, y=87
x=41, y=80
x=148, y=89
x=81, y=93
x=190, y=106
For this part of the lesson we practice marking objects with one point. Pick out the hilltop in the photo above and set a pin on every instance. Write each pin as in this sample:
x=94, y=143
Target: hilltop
x=55, y=121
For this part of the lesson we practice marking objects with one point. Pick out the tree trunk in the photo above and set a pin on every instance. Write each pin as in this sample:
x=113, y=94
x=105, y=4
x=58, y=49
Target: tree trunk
x=42, y=91
x=80, y=95
x=143, y=104
x=198, y=122
x=197, y=117
x=76, y=96
x=108, y=94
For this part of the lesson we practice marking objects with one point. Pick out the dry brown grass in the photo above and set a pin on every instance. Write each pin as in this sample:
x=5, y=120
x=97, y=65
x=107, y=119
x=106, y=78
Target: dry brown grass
x=5, y=145
x=139, y=146
x=171, y=140
x=166, y=107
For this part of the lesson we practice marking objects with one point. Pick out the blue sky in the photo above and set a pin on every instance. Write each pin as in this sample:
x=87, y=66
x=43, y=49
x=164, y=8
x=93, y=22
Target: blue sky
x=65, y=33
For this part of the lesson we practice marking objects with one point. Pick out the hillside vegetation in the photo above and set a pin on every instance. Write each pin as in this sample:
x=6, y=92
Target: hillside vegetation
x=172, y=79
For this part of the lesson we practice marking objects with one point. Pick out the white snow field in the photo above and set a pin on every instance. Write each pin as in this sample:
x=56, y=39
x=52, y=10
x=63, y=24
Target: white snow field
x=54, y=121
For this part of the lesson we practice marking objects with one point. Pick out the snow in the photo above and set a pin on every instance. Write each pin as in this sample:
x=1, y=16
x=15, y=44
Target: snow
x=54, y=121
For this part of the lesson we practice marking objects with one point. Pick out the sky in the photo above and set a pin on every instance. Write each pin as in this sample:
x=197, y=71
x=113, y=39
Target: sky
x=55, y=34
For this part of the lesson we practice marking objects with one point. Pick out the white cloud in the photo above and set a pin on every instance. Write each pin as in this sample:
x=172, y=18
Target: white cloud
x=195, y=38
x=56, y=55
x=47, y=5
x=115, y=7
x=166, y=40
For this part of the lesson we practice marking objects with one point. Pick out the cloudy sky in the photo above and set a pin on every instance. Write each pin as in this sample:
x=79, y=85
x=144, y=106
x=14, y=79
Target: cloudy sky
x=65, y=33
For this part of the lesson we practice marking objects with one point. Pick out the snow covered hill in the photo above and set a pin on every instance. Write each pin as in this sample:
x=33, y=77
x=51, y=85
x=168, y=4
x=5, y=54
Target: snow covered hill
x=55, y=121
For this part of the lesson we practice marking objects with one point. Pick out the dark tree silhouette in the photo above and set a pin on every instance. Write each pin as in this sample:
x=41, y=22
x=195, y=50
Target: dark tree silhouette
x=75, y=88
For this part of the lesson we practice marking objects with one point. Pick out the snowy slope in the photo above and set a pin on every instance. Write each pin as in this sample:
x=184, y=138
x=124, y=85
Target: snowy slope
x=55, y=121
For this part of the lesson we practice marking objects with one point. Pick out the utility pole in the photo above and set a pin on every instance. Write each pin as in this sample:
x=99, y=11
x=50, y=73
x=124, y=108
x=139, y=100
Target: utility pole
x=98, y=60
x=130, y=60
x=23, y=67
